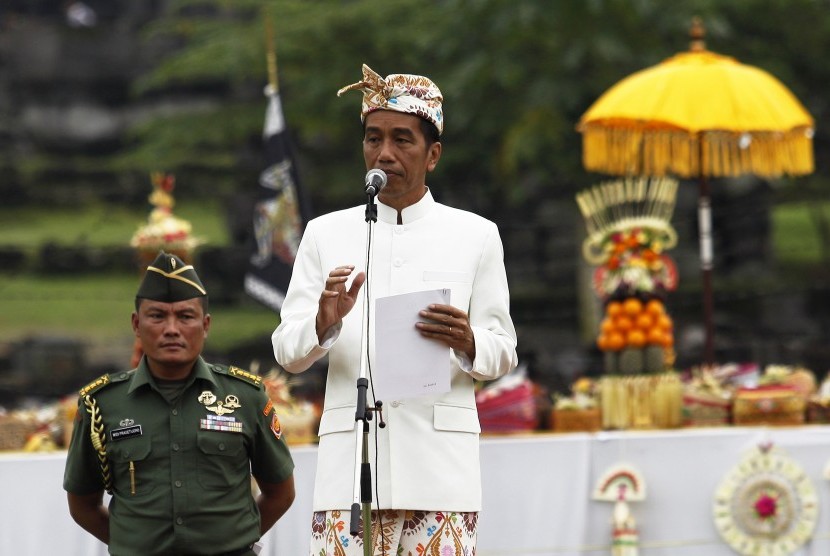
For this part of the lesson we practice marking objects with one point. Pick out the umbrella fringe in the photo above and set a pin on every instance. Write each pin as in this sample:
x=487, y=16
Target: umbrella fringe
x=648, y=152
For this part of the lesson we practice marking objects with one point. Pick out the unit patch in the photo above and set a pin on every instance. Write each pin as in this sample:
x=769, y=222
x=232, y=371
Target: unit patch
x=275, y=426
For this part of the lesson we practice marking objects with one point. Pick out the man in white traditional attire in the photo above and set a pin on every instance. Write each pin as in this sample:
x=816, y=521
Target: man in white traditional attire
x=425, y=462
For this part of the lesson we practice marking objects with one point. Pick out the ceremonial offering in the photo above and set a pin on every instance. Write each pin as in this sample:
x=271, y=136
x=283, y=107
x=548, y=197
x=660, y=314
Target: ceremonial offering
x=507, y=405
x=299, y=419
x=766, y=504
x=628, y=225
x=768, y=405
x=163, y=231
x=578, y=412
x=707, y=401
x=15, y=430
x=641, y=401
x=802, y=380
x=818, y=406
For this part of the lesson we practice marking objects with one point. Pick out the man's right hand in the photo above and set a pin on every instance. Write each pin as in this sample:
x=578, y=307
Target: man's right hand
x=335, y=300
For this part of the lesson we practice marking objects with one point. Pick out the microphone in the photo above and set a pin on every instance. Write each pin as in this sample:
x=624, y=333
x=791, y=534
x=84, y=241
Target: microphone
x=375, y=181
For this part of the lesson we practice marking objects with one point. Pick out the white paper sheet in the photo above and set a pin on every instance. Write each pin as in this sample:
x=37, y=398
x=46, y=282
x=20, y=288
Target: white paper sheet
x=406, y=364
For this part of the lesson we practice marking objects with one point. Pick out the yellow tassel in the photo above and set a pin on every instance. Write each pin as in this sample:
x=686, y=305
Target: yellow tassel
x=630, y=151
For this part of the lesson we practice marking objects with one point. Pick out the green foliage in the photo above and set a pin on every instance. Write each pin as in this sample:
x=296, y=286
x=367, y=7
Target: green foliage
x=207, y=137
x=516, y=76
x=797, y=229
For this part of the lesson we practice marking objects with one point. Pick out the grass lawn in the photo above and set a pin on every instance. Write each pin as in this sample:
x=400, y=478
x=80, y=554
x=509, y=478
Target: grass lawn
x=97, y=308
x=102, y=225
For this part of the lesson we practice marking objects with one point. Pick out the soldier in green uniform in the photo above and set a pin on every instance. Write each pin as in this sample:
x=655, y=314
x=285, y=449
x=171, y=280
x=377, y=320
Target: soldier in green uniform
x=176, y=440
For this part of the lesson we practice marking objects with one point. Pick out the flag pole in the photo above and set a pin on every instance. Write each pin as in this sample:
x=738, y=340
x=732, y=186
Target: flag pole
x=270, y=51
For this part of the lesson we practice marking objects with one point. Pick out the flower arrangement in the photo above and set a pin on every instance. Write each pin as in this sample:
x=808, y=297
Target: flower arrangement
x=634, y=264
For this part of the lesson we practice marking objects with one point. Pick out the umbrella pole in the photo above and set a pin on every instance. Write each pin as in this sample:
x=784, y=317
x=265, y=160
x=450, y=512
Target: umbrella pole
x=704, y=215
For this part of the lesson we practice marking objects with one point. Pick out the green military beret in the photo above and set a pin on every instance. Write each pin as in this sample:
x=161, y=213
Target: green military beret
x=169, y=279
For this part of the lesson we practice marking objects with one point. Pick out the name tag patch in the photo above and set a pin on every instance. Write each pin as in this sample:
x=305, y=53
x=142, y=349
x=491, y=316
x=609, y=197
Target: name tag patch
x=220, y=423
x=125, y=432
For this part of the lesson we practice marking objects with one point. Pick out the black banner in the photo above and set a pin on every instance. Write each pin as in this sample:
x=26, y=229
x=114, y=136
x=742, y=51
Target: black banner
x=278, y=217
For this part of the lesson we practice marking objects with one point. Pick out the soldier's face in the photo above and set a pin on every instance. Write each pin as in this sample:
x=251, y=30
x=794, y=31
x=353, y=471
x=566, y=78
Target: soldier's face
x=171, y=334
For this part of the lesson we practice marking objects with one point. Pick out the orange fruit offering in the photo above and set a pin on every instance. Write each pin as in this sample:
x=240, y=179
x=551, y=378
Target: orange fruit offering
x=655, y=307
x=632, y=306
x=623, y=323
x=606, y=326
x=656, y=337
x=665, y=322
x=615, y=341
x=636, y=338
x=644, y=321
x=613, y=309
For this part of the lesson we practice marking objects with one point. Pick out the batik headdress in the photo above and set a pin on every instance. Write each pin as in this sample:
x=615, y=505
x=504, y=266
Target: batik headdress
x=410, y=94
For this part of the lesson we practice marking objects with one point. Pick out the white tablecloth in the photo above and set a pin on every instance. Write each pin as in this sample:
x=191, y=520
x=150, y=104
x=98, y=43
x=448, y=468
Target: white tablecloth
x=537, y=494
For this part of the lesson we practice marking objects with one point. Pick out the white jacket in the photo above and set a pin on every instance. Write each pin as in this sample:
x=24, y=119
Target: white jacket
x=428, y=452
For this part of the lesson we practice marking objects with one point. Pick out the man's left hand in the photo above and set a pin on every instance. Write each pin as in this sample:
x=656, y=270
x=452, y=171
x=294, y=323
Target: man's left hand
x=449, y=325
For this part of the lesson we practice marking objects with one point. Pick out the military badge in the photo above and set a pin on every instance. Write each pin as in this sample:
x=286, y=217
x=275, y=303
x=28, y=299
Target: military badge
x=207, y=397
x=275, y=426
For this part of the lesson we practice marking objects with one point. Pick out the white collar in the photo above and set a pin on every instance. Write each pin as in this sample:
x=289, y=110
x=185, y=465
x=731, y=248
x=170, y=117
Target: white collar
x=409, y=214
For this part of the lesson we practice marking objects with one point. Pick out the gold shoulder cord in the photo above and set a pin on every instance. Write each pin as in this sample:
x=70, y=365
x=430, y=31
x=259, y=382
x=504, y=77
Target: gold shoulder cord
x=99, y=439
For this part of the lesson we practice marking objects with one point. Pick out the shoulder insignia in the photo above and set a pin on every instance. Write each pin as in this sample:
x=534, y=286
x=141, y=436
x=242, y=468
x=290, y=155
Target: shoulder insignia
x=99, y=382
x=104, y=380
x=256, y=380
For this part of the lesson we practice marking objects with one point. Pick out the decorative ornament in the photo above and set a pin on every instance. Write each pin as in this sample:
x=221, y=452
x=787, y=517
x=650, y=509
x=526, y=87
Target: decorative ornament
x=629, y=226
x=766, y=504
x=622, y=484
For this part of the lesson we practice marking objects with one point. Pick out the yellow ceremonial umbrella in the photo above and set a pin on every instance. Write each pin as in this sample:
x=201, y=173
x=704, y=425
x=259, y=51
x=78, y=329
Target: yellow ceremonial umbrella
x=698, y=114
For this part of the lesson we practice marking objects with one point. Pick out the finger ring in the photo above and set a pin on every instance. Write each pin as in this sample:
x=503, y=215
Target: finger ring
x=450, y=329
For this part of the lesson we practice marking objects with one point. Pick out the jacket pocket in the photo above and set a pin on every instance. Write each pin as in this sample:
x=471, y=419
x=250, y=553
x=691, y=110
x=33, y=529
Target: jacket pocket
x=456, y=418
x=337, y=419
x=132, y=465
x=221, y=460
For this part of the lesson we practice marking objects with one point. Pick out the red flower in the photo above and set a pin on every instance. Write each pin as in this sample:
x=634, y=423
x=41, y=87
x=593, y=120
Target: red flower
x=765, y=506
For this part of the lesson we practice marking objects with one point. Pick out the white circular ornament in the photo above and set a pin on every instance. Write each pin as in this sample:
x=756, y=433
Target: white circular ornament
x=766, y=505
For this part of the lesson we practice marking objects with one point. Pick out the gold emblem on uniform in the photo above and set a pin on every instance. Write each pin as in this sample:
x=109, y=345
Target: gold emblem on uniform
x=207, y=397
x=222, y=407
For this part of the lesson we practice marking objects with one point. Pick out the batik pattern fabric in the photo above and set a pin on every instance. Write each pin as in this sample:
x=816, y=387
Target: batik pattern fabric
x=396, y=533
x=410, y=94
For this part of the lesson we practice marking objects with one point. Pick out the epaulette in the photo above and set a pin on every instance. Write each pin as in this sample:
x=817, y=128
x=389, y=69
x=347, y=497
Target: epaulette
x=236, y=372
x=102, y=381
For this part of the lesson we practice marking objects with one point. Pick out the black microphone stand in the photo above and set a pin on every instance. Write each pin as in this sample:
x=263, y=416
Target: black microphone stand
x=363, y=414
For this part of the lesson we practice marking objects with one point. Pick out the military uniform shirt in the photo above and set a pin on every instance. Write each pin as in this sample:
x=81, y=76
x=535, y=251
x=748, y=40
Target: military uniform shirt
x=180, y=473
